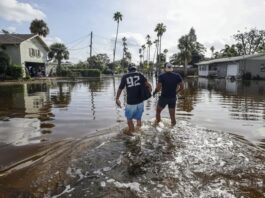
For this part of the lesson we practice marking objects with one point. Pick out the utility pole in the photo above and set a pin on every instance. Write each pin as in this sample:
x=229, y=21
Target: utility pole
x=91, y=36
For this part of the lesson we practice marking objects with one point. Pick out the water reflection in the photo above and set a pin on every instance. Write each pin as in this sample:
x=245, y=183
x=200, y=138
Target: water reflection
x=75, y=108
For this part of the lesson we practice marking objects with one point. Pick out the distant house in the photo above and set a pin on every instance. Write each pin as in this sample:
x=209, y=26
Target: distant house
x=236, y=67
x=27, y=50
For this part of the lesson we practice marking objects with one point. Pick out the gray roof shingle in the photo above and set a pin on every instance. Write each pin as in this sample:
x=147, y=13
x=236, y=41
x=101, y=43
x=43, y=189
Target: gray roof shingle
x=14, y=38
x=235, y=58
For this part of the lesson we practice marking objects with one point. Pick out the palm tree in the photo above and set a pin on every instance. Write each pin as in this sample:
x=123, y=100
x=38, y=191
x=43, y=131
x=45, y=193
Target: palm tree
x=156, y=45
x=39, y=27
x=124, y=43
x=117, y=17
x=212, y=50
x=186, y=47
x=140, y=55
x=149, y=43
x=143, y=48
x=165, y=52
x=58, y=51
x=160, y=30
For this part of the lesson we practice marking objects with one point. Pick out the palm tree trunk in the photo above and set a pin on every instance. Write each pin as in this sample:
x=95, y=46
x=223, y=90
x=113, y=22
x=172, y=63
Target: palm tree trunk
x=115, y=41
x=185, y=66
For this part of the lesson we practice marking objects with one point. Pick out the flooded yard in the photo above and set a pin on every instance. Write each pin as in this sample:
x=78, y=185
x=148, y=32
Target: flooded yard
x=63, y=137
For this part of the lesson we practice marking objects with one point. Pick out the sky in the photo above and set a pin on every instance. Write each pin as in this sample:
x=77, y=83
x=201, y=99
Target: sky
x=71, y=21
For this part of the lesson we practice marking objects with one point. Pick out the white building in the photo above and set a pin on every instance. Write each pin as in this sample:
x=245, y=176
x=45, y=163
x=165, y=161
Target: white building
x=254, y=65
x=27, y=50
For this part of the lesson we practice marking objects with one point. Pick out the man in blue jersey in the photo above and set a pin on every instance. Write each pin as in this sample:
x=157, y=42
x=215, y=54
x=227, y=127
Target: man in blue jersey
x=171, y=84
x=135, y=105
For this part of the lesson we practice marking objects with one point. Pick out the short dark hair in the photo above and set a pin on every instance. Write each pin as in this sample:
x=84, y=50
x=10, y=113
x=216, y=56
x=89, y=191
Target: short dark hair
x=131, y=69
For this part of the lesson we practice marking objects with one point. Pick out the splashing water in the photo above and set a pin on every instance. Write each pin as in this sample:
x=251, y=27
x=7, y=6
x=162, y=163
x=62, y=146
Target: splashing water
x=160, y=161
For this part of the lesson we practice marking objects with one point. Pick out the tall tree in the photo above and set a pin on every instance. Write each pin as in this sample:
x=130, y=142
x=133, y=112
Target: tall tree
x=165, y=52
x=229, y=51
x=156, y=42
x=140, y=55
x=99, y=61
x=143, y=48
x=212, y=50
x=117, y=17
x=58, y=51
x=148, y=43
x=39, y=27
x=250, y=42
x=124, y=44
x=160, y=29
x=190, y=49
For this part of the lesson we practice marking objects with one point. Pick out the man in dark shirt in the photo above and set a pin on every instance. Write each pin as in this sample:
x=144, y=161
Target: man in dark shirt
x=171, y=84
x=135, y=106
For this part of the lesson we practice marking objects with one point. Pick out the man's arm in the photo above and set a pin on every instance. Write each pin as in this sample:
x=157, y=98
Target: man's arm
x=149, y=86
x=121, y=87
x=118, y=102
x=157, y=89
x=180, y=87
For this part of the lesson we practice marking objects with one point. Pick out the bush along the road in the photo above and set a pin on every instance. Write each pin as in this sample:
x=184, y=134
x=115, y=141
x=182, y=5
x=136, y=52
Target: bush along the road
x=14, y=71
x=87, y=72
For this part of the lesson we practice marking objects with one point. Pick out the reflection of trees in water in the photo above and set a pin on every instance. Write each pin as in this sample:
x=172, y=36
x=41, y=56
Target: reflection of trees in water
x=95, y=85
x=190, y=96
x=12, y=99
x=62, y=98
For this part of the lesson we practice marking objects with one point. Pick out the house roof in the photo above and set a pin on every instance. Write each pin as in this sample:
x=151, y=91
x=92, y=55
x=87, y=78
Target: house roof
x=230, y=59
x=12, y=39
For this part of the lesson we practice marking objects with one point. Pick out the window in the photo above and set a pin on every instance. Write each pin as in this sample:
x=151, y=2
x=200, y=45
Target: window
x=34, y=52
x=38, y=53
x=262, y=67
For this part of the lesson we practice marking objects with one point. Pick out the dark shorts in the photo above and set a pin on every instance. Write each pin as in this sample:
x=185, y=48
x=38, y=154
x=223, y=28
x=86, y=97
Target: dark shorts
x=171, y=102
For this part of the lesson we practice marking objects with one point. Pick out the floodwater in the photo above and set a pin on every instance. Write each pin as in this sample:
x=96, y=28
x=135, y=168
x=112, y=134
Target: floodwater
x=60, y=137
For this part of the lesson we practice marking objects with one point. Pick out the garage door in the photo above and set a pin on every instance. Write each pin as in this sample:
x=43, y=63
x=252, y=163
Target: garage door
x=232, y=70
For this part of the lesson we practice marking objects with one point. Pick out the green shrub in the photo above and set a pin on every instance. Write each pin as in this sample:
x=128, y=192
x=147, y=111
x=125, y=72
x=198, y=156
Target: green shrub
x=87, y=72
x=15, y=71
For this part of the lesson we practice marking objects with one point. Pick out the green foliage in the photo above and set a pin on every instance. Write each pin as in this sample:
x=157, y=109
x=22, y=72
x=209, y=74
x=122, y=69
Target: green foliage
x=4, y=62
x=99, y=61
x=15, y=71
x=58, y=51
x=87, y=72
x=250, y=42
x=39, y=27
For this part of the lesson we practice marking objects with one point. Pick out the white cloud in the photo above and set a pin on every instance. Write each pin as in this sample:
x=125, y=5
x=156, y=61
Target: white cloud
x=215, y=21
x=12, y=10
x=51, y=40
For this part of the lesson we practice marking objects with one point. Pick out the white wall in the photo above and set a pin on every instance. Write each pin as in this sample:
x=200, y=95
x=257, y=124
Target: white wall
x=203, y=70
x=35, y=44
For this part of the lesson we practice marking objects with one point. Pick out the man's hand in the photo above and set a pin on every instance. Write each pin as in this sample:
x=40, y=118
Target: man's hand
x=118, y=102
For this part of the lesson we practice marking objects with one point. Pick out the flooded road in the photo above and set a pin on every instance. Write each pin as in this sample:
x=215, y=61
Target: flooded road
x=56, y=131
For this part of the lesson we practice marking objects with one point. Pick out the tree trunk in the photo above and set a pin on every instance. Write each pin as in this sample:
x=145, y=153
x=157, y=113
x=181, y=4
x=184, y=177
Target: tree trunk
x=115, y=41
x=185, y=66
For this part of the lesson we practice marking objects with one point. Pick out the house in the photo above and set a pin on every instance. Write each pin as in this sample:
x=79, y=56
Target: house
x=27, y=50
x=234, y=67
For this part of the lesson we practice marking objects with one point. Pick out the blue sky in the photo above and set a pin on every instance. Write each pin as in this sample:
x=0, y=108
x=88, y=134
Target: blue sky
x=71, y=21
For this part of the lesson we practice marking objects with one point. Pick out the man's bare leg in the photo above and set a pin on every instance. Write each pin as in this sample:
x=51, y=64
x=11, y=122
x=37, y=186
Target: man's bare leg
x=172, y=112
x=130, y=127
x=139, y=124
x=158, y=114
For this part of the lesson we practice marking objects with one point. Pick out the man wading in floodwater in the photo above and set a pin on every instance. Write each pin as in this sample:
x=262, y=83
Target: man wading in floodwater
x=171, y=84
x=135, y=105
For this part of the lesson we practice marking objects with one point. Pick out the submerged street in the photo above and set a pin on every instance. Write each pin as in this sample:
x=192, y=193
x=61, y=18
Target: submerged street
x=63, y=139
